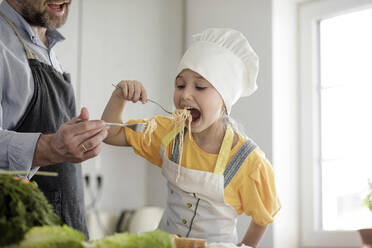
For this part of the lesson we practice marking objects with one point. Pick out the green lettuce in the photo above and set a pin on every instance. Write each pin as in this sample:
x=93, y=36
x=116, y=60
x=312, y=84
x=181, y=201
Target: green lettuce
x=52, y=237
x=154, y=239
x=157, y=238
x=22, y=206
x=119, y=240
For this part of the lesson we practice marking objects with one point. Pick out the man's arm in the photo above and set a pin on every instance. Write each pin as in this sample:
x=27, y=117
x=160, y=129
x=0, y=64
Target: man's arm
x=24, y=151
x=17, y=150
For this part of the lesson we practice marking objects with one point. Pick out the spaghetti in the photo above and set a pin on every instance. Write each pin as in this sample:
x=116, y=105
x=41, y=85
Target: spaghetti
x=151, y=125
x=180, y=116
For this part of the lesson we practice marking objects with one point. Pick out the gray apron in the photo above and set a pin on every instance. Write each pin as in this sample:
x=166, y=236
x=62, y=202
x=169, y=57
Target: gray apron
x=52, y=104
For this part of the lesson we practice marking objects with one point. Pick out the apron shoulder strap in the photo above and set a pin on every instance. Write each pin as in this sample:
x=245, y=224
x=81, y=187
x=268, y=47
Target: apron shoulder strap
x=175, y=151
x=30, y=55
x=222, y=156
x=224, y=153
x=238, y=160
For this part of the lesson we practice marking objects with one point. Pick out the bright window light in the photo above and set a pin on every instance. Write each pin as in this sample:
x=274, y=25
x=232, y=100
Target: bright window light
x=346, y=119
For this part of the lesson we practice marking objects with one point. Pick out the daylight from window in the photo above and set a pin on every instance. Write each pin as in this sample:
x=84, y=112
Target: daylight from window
x=346, y=119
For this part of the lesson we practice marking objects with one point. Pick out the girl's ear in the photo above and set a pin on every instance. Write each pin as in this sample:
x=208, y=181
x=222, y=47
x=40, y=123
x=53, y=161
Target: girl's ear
x=223, y=110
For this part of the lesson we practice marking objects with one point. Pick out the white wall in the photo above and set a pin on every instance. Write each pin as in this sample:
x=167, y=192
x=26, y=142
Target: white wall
x=253, y=19
x=285, y=122
x=129, y=40
x=110, y=41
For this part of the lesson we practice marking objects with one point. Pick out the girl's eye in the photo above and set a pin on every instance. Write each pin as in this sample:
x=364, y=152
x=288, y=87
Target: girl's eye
x=180, y=86
x=200, y=88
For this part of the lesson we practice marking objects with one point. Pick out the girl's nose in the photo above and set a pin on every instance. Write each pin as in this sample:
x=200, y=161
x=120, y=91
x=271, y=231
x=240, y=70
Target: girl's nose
x=187, y=93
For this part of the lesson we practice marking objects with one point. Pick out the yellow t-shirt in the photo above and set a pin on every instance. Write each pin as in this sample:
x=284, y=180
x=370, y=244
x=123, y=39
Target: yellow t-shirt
x=252, y=190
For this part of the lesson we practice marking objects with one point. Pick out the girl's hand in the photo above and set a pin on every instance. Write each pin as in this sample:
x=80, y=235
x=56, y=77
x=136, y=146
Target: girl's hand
x=131, y=90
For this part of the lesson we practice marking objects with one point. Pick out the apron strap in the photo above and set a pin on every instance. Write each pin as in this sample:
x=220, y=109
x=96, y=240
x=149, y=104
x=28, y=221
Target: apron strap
x=224, y=153
x=30, y=55
x=175, y=153
x=238, y=160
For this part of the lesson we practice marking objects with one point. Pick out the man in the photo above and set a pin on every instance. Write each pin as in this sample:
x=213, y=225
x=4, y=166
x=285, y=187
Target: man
x=37, y=107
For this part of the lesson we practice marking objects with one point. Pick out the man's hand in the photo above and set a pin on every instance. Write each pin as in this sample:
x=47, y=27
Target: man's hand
x=75, y=141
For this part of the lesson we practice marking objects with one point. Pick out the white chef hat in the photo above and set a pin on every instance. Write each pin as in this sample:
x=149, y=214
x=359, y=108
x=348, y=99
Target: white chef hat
x=224, y=58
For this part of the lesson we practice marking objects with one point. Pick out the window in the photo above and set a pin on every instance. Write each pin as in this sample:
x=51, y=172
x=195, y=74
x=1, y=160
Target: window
x=346, y=119
x=336, y=120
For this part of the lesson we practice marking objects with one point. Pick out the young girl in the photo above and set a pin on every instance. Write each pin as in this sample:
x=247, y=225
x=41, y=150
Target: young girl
x=217, y=173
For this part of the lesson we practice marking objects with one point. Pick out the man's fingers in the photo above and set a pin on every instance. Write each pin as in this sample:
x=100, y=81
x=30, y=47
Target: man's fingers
x=80, y=141
x=84, y=114
x=92, y=138
x=93, y=146
x=87, y=135
x=93, y=153
x=74, y=120
x=85, y=126
x=89, y=148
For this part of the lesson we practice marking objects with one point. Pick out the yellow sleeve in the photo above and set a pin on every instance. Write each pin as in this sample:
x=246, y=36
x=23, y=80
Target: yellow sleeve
x=140, y=144
x=258, y=194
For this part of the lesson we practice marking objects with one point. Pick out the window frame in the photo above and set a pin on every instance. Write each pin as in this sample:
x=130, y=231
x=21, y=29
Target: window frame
x=309, y=15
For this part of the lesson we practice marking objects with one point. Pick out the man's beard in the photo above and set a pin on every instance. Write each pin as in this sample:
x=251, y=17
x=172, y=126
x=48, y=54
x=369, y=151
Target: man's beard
x=42, y=19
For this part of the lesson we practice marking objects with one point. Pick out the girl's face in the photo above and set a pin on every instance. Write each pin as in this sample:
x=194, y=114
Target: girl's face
x=195, y=93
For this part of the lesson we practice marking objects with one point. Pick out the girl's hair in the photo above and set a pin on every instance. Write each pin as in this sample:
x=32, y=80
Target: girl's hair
x=237, y=127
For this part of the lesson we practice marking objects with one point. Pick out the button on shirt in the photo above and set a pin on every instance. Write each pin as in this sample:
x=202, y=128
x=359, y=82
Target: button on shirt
x=17, y=86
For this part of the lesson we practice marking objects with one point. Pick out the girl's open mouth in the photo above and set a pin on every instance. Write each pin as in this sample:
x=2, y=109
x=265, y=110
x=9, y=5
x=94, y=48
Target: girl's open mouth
x=57, y=9
x=195, y=114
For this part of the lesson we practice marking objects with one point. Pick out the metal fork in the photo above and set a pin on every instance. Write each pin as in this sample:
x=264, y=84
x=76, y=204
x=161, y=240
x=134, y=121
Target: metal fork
x=138, y=127
x=164, y=109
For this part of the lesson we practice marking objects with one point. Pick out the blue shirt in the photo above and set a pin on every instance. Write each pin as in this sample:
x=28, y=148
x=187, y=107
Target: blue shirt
x=17, y=86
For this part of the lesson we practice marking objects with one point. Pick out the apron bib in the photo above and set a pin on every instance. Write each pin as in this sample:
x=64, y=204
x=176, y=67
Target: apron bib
x=52, y=104
x=195, y=206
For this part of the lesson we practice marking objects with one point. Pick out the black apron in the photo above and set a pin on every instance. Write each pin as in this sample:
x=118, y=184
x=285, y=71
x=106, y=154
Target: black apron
x=52, y=104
